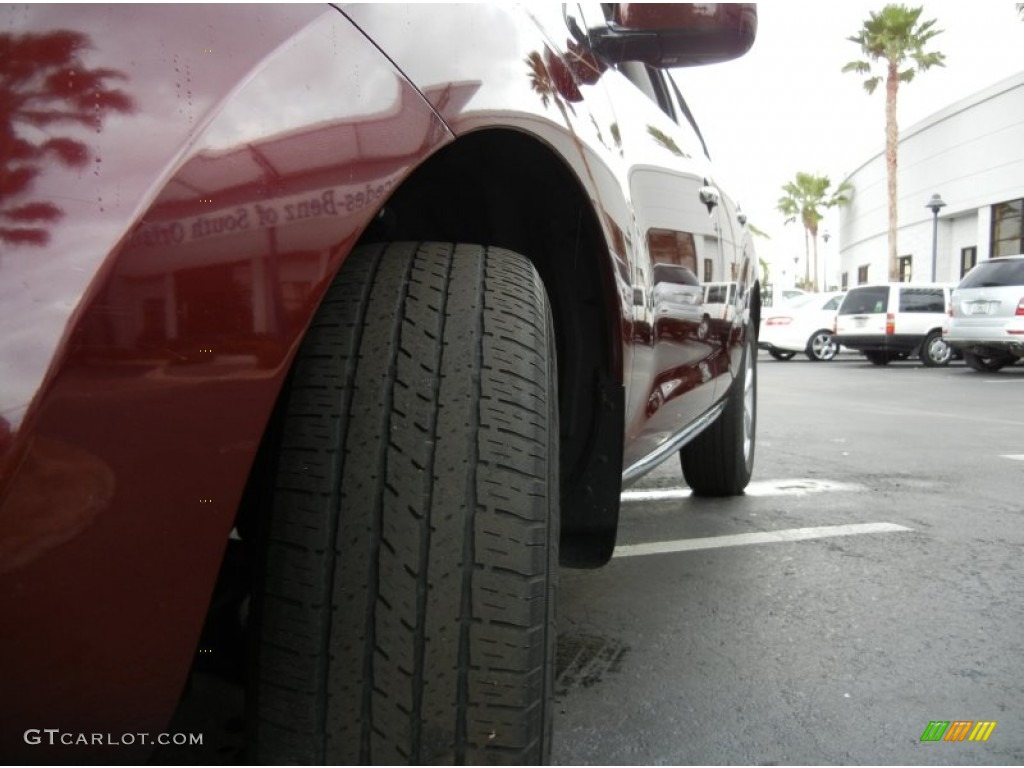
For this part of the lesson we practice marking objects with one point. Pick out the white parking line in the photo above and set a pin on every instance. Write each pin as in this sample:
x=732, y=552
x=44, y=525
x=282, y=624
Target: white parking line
x=1016, y=456
x=763, y=537
x=795, y=487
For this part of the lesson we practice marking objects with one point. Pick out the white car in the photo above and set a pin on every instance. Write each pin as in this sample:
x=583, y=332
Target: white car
x=803, y=325
x=788, y=295
x=986, y=319
x=894, y=321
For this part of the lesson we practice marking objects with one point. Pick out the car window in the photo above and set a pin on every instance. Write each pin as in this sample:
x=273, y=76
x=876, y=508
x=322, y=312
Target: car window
x=716, y=294
x=800, y=301
x=922, y=300
x=649, y=81
x=684, y=109
x=674, y=273
x=833, y=303
x=864, y=301
x=995, y=273
x=660, y=88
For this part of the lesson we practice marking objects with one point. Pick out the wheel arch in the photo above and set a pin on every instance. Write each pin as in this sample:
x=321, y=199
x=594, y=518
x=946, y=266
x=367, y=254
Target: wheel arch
x=504, y=188
x=816, y=331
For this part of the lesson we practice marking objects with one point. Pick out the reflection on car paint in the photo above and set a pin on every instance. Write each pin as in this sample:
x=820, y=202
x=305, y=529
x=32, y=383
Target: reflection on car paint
x=201, y=281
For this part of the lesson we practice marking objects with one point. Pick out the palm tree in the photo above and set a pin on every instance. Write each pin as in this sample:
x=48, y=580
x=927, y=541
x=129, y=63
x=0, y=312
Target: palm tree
x=895, y=39
x=805, y=196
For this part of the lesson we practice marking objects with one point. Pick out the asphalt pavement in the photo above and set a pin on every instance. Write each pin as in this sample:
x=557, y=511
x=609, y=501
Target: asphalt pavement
x=868, y=585
x=866, y=592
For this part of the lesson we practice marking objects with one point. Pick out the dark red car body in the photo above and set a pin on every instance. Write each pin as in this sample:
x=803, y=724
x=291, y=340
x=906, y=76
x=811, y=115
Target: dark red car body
x=180, y=184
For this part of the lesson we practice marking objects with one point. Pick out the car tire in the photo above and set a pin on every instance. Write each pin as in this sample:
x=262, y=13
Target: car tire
x=878, y=358
x=720, y=460
x=986, y=364
x=781, y=354
x=935, y=352
x=404, y=611
x=821, y=347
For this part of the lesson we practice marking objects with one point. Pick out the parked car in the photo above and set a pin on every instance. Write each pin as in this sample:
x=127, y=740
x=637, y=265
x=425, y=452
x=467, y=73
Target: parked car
x=326, y=341
x=894, y=321
x=986, y=315
x=805, y=325
x=789, y=295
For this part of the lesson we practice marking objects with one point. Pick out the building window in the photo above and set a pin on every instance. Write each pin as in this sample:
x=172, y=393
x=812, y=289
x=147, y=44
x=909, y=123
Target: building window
x=844, y=281
x=968, y=258
x=905, y=265
x=709, y=270
x=1007, y=229
x=670, y=247
x=862, y=274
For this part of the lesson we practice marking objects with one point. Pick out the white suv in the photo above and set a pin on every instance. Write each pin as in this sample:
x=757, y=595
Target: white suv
x=986, y=317
x=893, y=321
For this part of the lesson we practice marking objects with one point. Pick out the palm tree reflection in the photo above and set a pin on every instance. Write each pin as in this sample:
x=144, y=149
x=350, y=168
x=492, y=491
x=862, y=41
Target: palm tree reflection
x=45, y=91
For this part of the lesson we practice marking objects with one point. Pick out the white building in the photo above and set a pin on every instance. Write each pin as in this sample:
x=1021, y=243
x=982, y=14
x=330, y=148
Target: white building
x=971, y=154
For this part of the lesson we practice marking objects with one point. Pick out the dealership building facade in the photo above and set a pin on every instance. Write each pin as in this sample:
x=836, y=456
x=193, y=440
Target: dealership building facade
x=961, y=193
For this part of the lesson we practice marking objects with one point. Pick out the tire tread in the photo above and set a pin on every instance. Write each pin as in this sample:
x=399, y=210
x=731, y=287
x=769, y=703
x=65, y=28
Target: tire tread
x=414, y=491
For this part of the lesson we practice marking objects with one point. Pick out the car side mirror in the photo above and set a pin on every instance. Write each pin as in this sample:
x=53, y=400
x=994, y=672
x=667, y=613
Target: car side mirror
x=677, y=34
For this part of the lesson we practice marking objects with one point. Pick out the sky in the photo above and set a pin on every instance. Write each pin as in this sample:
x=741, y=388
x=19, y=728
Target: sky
x=787, y=107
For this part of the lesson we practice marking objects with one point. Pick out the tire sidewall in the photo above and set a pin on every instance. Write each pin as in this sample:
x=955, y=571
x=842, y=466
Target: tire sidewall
x=983, y=364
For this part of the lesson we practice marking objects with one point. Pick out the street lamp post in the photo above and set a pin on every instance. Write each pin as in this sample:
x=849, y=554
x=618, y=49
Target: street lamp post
x=824, y=260
x=935, y=205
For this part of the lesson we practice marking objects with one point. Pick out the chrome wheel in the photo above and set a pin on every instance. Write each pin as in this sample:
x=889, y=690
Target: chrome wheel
x=720, y=460
x=935, y=351
x=822, y=347
x=749, y=405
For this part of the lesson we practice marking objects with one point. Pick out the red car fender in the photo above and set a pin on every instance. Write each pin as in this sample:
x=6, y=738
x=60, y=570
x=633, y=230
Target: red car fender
x=186, y=246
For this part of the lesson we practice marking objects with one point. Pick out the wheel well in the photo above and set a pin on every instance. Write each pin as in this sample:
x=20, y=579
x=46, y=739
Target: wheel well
x=503, y=188
x=506, y=189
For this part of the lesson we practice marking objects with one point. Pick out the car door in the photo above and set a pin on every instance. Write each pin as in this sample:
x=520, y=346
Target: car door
x=680, y=351
x=737, y=269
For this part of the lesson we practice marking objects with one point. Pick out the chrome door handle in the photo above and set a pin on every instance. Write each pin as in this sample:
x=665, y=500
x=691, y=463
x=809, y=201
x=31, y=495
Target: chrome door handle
x=710, y=196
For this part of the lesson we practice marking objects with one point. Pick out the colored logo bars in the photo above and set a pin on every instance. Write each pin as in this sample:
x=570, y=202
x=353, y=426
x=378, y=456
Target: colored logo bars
x=958, y=730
